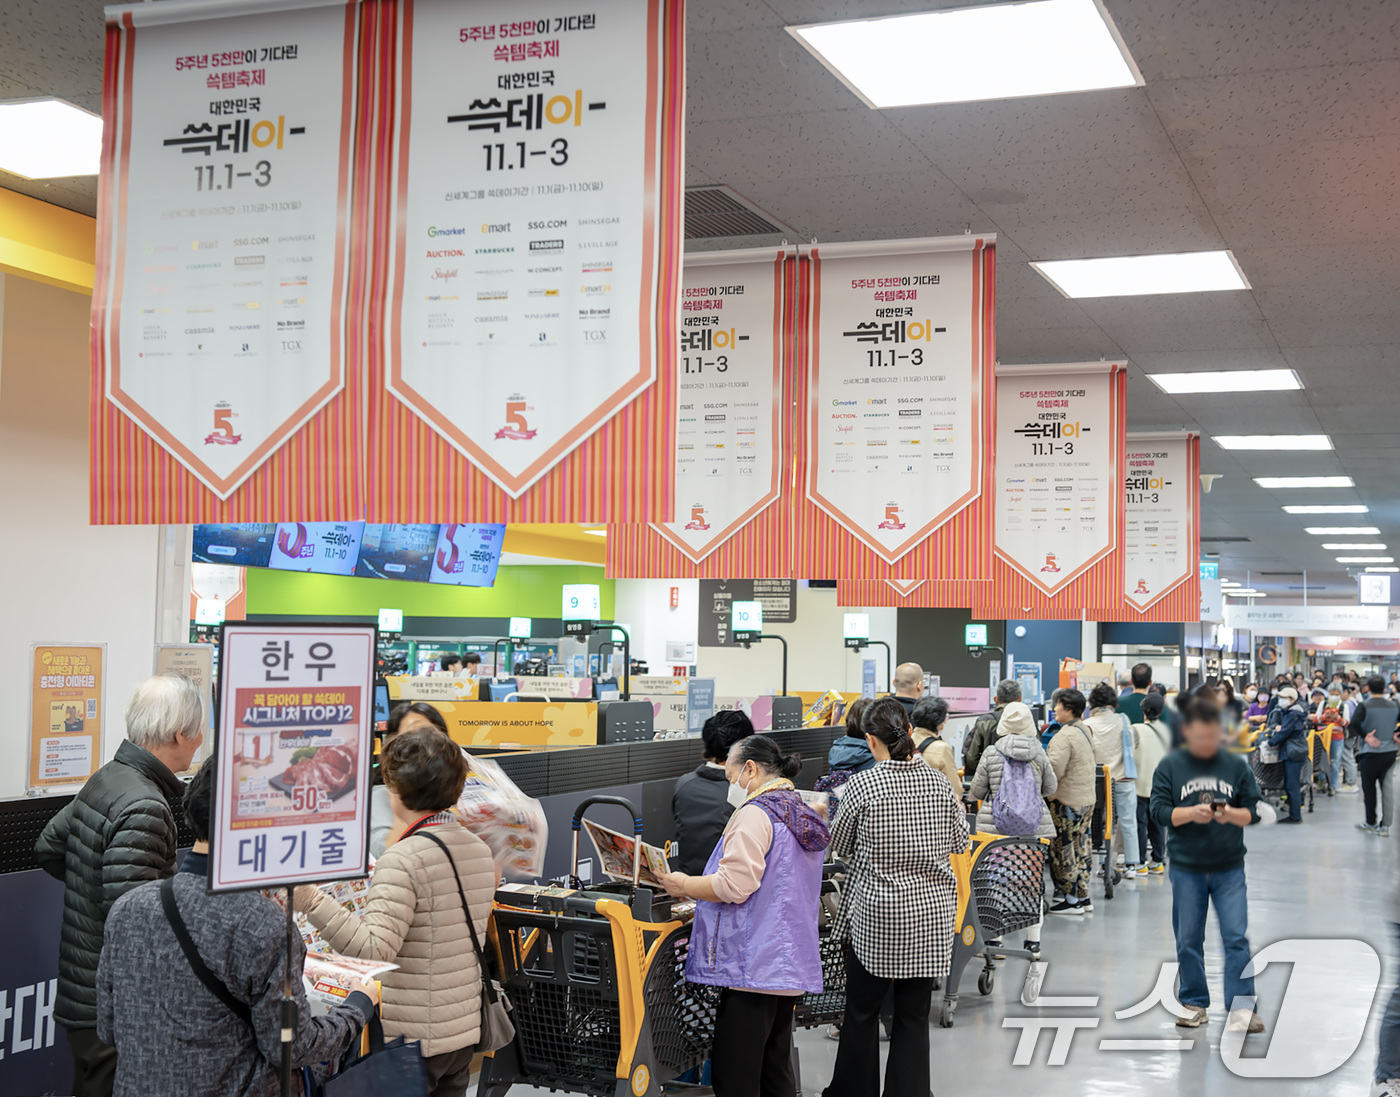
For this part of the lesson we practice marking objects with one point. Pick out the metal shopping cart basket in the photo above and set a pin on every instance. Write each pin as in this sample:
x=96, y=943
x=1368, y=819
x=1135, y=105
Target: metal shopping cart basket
x=828, y=1007
x=1001, y=889
x=597, y=980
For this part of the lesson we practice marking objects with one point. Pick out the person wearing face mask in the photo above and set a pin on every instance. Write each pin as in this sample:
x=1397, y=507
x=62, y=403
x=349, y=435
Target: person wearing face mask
x=755, y=929
x=901, y=822
x=1258, y=710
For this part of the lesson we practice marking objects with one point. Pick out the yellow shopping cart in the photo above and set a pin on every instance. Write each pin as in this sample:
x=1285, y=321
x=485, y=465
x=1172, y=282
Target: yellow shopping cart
x=597, y=981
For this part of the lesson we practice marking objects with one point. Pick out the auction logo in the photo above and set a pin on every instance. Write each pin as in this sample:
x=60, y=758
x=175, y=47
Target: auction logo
x=891, y=518
x=223, y=427
x=298, y=548
x=697, y=519
x=516, y=426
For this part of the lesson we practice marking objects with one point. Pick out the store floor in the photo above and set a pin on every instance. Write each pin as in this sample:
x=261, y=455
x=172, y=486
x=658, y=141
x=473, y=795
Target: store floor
x=1322, y=881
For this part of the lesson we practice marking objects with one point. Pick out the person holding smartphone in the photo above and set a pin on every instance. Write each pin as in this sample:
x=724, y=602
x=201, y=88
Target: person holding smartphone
x=1205, y=797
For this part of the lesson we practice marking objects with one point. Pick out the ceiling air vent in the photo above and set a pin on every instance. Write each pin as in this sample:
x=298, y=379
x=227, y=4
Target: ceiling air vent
x=715, y=211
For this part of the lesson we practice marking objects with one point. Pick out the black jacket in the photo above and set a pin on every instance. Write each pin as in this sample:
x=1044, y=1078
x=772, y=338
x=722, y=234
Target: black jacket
x=118, y=832
x=982, y=736
x=701, y=808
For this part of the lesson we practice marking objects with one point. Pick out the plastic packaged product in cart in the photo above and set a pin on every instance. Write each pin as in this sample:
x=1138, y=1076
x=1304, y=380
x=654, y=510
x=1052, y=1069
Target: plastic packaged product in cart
x=511, y=824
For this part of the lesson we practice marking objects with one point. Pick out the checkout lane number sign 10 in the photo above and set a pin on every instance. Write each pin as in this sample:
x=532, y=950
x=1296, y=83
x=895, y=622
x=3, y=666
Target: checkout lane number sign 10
x=746, y=617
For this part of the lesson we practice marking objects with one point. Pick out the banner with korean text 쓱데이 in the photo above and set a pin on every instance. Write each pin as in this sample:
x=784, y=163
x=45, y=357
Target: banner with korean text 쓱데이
x=67, y=708
x=531, y=250
x=1161, y=527
x=1058, y=491
x=223, y=245
x=295, y=743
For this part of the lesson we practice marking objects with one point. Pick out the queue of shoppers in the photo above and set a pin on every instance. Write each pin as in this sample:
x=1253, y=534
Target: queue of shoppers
x=751, y=855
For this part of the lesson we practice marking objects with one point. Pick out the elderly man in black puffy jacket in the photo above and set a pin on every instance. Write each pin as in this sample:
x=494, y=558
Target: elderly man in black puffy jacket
x=117, y=833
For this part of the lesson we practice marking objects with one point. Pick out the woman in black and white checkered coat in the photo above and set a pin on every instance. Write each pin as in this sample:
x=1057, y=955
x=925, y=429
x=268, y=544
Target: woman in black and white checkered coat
x=899, y=823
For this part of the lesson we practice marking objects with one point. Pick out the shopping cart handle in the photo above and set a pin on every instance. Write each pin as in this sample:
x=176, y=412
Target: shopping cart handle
x=618, y=800
x=637, y=830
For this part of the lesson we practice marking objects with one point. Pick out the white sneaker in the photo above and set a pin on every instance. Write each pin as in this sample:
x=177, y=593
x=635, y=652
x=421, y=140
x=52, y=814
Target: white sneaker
x=1140, y=870
x=1389, y=1088
x=1246, y=1021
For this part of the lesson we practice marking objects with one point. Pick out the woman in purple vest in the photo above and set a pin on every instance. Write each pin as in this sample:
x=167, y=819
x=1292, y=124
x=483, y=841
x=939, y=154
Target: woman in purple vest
x=755, y=931
x=899, y=823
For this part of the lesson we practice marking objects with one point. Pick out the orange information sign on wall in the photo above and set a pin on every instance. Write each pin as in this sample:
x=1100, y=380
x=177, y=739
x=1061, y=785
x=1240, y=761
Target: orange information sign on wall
x=66, y=710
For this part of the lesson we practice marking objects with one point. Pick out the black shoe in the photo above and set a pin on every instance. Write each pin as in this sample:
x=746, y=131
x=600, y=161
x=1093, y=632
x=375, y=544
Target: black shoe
x=1290, y=819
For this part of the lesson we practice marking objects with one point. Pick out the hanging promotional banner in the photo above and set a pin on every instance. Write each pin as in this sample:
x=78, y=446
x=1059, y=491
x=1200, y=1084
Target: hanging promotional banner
x=1058, y=493
x=900, y=331
x=218, y=312
x=535, y=257
x=67, y=707
x=296, y=725
x=731, y=431
x=1161, y=527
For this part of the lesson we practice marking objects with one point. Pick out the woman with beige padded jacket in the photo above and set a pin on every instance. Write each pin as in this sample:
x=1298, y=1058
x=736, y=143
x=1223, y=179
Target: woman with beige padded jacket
x=413, y=915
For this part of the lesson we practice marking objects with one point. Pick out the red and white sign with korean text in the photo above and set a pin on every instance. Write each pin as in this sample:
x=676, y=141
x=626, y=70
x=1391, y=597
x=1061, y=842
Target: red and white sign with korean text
x=1058, y=478
x=295, y=745
x=1161, y=546
x=729, y=415
x=223, y=253
x=526, y=260
x=896, y=379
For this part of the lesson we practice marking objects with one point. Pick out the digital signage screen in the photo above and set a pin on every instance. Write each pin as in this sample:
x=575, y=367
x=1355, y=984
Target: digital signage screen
x=397, y=552
x=245, y=545
x=468, y=555
x=327, y=548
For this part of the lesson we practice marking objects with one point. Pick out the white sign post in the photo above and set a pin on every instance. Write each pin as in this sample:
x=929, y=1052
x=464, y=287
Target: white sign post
x=296, y=725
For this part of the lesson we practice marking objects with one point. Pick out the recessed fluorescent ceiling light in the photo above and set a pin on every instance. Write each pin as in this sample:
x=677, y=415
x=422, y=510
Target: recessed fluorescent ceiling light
x=1383, y=569
x=1333, y=508
x=1140, y=275
x=1273, y=441
x=1365, y=559
x=1244, y=594
x=1230, y=380
x=1343, y=546
x=47, y=139
x=1304, y=481
x=1001, y=51
x=596, y=532
x=1342, y=531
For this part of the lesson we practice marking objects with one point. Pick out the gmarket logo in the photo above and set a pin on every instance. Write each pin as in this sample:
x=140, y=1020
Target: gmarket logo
x=457, y=230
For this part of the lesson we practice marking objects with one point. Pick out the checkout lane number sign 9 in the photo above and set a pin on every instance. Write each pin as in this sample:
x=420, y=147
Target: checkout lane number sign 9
x=975, y=636
x=581, y=602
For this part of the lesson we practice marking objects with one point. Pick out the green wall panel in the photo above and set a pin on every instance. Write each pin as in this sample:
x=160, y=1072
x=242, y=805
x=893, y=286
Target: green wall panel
x=525, y=591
